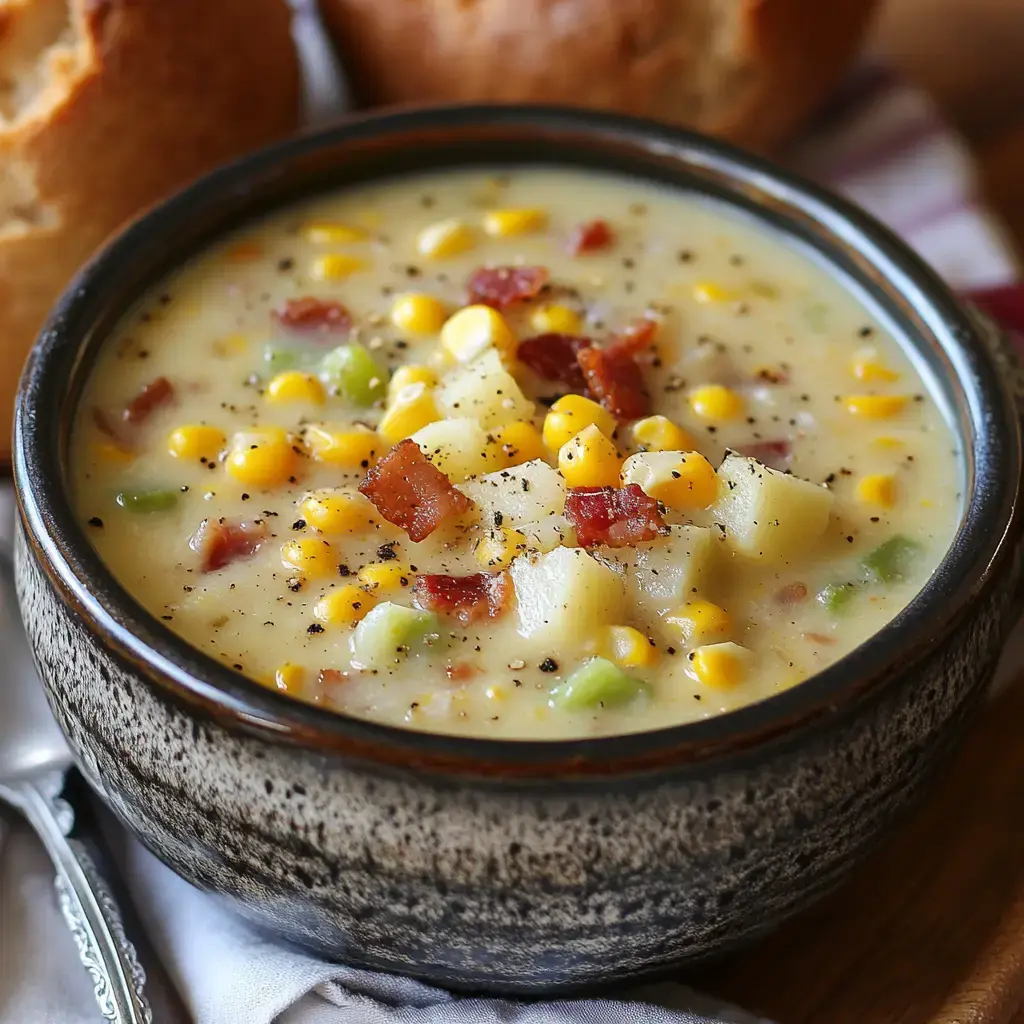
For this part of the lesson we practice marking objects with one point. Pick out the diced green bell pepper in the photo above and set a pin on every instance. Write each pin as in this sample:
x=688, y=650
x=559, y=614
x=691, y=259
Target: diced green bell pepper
x=834, y=597
x=891, y=561
x=389, y=632
x=147, y=501
x=355, y=373
x=597, y=683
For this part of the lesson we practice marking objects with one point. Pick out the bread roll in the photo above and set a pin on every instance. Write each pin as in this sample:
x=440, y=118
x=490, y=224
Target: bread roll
x=105, y=107
x=748, y=70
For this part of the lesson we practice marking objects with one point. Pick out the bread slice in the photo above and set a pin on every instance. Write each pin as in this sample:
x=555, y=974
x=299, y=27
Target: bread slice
x=106, y=106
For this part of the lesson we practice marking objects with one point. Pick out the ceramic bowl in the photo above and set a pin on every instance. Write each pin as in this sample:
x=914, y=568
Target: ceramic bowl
x=519, y=867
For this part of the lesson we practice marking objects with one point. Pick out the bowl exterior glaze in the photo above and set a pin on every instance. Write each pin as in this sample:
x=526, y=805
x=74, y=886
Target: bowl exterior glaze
x=505, y=867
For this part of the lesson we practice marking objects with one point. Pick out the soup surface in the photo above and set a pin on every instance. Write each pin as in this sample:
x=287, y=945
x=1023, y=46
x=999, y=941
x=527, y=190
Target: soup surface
x=661, y=464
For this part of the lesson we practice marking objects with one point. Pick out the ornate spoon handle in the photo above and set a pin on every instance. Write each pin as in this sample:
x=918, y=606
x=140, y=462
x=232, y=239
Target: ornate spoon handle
x=87, y=905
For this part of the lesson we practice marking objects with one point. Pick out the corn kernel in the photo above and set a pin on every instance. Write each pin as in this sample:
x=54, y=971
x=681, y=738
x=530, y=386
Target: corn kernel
x=701, y=622
x=412, y=409
x=295, y=386
x=709, y=292
x=716, y=402
x=473, y=330
x=877, y=489
x=556, y=319
x=888, y=443
x=660, y=434
x=682, y=480
x=627, y=647
x=335, y=266
x=262, y=458
x=230, y=345
x=497, y=547
x=418, y=314
x=338, y=512
x=288, y=677
x=868, y=366
x=196, y=441
x=445, y=238
x=569, y=415
x=589, y=460
x=503, y=223
x=110, y=452
x=496, y=693
x=350, y=447
x=309, y=556
x=386, y=575
x=331, y=233
x=720, y=666
x=518, y=442
x=875, y=407
x=344, y=606
x=410, y=374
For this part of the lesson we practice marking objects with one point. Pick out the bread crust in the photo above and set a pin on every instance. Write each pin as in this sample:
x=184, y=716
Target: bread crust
x=135, y=98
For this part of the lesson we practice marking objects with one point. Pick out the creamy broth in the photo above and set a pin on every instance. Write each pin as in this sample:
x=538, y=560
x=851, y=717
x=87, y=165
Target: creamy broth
x=755, y=349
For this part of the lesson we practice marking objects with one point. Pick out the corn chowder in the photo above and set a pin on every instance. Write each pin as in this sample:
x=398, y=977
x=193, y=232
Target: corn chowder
x=537, y=454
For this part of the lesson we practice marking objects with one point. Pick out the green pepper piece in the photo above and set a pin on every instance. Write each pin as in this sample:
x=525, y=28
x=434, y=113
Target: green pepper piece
x=389, y=632
x=355, y=373
x=834, y=597
x=597, y=683
x=147, y=501
x=279, y=359
x=891, y=561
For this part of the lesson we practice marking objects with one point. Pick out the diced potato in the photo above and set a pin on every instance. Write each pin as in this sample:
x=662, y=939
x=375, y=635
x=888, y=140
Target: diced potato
x=522, y=494
x=769, y=515
x=457, y=447
x=565, y=596
x=548, y=533
x=486, y=391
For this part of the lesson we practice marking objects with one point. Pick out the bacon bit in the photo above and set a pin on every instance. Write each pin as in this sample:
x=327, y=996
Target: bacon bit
x=460, y=671
x=636, y=336
x=484, y=595
x=773, y=375
x=332, y=677
x=245, y=252
x=310, y=314
x=411, y=492
x=820, y=638
x=157, y=393
x=501, y=287
x=791, y=593
x=590, y=237
x=618, y=517
x=553, y=357
x=774, y=454
x=219, y=542
x=614, y=378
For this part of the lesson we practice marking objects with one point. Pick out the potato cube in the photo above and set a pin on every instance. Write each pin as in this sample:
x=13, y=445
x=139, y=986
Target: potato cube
x=548, y=533
x=486, y=391
x=457, y=447
x=522, y=494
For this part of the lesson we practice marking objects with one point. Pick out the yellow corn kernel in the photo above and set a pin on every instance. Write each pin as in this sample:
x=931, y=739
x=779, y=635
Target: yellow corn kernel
x=518, y=442
x=868, y=366
x=386, y=575
x=295, y=386
x=337, y=512
x=660, y=434
x=708, y=292
x=497, y=547
x=332, y=233
x=289, y=677
x=720, y=666
x=262, y=458
x=350, y=447
x=230, y=345
x=335, y=266
x=410, y=374
x=589, y=460
x=569, y=415
x=344, y=606
x=496, y=692
x=556, y=319
x=701, y=622
x=413, y=408
x=716, y=402
x=627, y=647
x=877, y=489
x=683, y=480
x=875, y=407
x=445, y=238
x=503, y=223
x=196, y=441
x=888, y=443
x=473, y=330
x=110, y=452
x=309, y=556
x=418, y=314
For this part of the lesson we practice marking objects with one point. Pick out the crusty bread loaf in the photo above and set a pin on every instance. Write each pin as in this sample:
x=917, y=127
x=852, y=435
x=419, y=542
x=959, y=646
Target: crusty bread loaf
x=105, y=107
x=748, y=70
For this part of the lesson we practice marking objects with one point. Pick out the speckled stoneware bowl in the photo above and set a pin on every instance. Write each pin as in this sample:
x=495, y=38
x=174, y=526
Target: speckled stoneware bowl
x=522, y=867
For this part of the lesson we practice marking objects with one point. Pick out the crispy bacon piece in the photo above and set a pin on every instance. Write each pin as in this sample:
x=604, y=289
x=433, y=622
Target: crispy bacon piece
x=328, y=677
x=310, y=314
x=618, y=517
x=155, y=394
x=819, y=638
x=592, y=236
x=501, y=287
x=484, y=595
x=637, y=336
x=791, y=593
x=553, y=357
x=461, y=671
x=219, y=542
x=773, y=374
x=774, y=454
x=614, y=378
x=411, y=492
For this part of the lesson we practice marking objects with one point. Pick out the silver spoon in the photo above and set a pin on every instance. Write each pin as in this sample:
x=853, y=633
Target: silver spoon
x=33, y=761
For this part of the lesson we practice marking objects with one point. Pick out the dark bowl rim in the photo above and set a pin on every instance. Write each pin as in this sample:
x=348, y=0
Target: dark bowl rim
x=971, y=566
